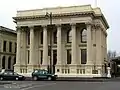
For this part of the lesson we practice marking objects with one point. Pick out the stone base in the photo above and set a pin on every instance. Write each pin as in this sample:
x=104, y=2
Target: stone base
x=17, y=68
x=79, y=71
x=31, y=68
x=44, y=67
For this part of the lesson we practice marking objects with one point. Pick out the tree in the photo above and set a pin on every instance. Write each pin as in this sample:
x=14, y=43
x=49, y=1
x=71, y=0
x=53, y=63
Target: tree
x=111, y=54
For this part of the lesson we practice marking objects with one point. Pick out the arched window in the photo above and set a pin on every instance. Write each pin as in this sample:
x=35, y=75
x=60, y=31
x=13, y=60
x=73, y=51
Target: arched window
x=69, y=36
x=9, y=63
x=84, y=36
x=3, y=62
x=55, y=37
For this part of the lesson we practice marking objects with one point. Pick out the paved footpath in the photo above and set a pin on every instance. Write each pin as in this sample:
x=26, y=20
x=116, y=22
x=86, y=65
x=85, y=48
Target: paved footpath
x=61, y=85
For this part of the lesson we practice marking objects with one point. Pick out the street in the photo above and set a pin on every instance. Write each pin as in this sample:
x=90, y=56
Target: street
x=60, y=85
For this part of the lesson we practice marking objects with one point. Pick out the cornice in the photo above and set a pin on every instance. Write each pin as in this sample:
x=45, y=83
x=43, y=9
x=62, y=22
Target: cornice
x=91, y=13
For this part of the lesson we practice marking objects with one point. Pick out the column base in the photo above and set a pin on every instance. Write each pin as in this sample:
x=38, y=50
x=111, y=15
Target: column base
x=17, y=68
x=58, y=69
x=45, y=67
x=31, y=68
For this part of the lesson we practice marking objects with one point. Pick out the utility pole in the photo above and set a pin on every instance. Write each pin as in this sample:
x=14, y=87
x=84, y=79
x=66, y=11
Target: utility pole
x=49, y=15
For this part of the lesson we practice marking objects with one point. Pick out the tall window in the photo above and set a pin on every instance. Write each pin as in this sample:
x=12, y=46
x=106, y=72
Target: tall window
x=83, y=56
x=55, y=37
x=41, y=52
x=4, y=46
x=68, y=56
x=84, y=36
x=28, y=37
x=41, y=37
x=9, y=63
x=69, y=36
x=15, y=47
x=28, y=56
x=10, y=46
x=3, y=62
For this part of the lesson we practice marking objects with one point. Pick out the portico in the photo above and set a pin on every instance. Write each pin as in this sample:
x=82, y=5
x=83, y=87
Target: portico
x=78, y=45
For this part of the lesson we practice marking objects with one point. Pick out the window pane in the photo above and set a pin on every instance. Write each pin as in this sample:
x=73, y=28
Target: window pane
x=83, y=56
x=84, y=35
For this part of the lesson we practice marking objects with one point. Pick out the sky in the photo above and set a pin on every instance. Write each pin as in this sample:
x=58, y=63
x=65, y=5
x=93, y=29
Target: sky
x=110, y=9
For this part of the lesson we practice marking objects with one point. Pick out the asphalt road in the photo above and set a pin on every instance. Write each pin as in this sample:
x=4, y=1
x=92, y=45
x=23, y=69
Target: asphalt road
x=60, y=85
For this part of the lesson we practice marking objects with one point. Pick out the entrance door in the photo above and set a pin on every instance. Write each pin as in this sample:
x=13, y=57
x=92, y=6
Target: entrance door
x=54, y=59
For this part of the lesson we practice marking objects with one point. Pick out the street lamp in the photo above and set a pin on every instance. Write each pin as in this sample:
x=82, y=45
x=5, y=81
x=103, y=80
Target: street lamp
x=49, y=15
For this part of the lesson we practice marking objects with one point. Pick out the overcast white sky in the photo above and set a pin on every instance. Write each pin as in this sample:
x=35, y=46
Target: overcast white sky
x=110, y=8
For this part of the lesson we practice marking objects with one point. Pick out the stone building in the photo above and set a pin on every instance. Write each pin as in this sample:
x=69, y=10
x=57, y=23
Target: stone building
x=8, y=46
x=72, y=42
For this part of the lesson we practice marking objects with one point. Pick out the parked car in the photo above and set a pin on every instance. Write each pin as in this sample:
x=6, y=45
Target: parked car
x=43, y=74
x=10, y=75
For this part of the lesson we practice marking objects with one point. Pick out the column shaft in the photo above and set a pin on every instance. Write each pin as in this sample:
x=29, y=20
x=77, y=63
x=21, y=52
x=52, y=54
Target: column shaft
x=59, y=45
x=74, y=44
x=18, y=53
x=89, y=44
x=32, y=59
x=45, y=46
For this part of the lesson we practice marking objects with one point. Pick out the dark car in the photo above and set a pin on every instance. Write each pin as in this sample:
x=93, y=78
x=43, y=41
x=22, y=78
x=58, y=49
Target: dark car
x=43, y=74
x=10, y=75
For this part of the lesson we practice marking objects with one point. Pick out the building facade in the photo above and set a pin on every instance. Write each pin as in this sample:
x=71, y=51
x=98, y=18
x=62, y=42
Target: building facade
x=8, y=47
x=69, y=41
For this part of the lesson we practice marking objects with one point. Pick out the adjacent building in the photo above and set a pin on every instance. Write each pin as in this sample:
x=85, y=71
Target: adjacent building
x=8, y=47
x=69, y=41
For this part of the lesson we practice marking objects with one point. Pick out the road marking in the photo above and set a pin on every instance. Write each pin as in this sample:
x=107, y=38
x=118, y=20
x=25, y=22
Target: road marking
x=38, y=86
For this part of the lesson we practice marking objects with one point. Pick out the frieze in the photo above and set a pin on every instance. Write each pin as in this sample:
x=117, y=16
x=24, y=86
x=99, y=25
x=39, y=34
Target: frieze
x=54, y=15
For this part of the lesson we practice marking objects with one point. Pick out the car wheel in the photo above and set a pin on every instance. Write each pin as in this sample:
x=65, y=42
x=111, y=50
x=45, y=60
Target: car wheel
x=16, y=78
x=35, y=78
x=1, y=78
x=49, y=78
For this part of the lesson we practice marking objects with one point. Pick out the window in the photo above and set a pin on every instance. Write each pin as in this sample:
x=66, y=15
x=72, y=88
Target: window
x=28, y=37
x=41, y=37
x=84, y=36
x=68, y=56
x=15, y=47
x=55, y=37
x=4, y=46
x=3, y=62
x=41, y=52
x=83, y=56
x=9, y=63
x=10, y=46
x=28, y=56
x=69, y=36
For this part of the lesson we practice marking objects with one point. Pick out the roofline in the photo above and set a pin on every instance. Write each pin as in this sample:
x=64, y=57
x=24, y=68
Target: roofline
x=2, y=28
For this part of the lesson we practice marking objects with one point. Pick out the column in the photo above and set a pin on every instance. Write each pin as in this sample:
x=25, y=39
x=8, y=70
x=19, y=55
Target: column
x=45, y=46
x=98, y=46
x=32, y=59
x=74, y=44
x=89, y=44
x=18, y=53
x=59, y=45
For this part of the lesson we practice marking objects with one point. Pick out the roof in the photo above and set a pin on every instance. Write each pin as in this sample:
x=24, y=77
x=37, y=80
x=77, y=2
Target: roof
x=7, y=29
x=59, y=11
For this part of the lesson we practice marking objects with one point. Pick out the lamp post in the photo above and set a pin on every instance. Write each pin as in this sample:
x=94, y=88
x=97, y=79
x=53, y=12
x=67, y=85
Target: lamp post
x=49, y=15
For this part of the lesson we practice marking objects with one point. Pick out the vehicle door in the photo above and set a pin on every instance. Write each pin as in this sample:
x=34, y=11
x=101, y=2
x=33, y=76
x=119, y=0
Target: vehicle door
x=42, y=75
x=10, y=75
x=7, y=75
